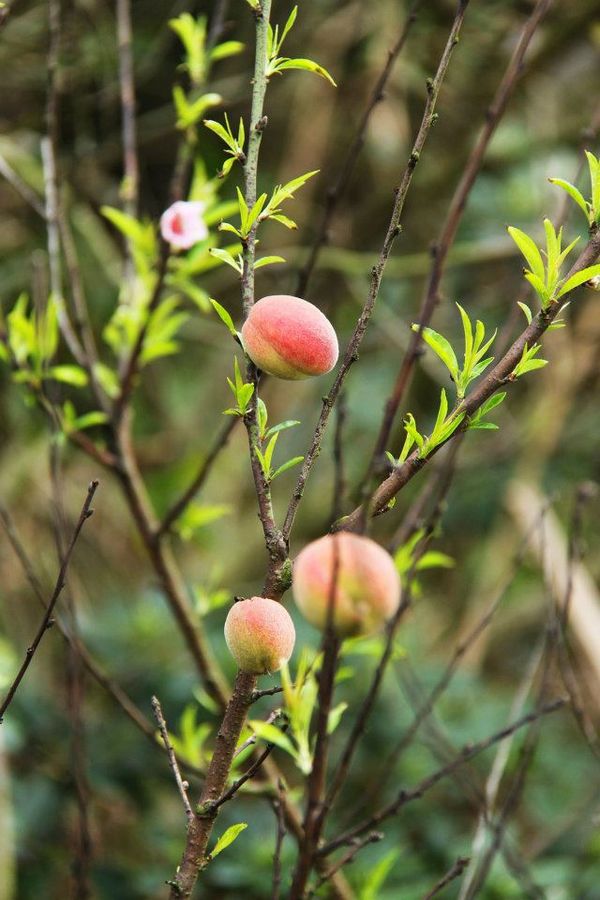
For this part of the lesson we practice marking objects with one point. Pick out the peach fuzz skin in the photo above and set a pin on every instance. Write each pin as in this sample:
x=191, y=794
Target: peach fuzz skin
x=260, y=635
x=290, y=338
x=367, y=588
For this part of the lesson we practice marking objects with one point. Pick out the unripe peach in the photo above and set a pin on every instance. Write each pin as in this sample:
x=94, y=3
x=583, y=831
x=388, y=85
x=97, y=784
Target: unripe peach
x=367, y=585
x=290, y=338
x=260, y=635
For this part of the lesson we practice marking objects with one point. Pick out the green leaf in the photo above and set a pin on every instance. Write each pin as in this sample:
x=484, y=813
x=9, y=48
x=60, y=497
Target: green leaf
x=433, y=559
x=272, y=735
x=283, y=220
x=224, y=316
x=219, y=130
x=88, y=420
x=287, y=465
x=225, y=50
x=335, y=716
x=283, y=426
x=492, y=402
x=576, y=195
x=526, y=312
x=226, y=257
x=578, y=279
x=529, y=251
x=442, y=348
x=307, y=65
x=268, y=261
x=69, y=375
x=228, y=837
x=371, y=888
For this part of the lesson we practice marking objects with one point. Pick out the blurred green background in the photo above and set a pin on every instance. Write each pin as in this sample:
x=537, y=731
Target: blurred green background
x=549, y=437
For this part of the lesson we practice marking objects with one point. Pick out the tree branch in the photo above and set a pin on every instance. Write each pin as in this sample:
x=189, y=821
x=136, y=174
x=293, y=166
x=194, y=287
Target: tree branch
x=449, y=229
x=499, y=376
x=335, y=193
x=47, y=621
x=351, y=354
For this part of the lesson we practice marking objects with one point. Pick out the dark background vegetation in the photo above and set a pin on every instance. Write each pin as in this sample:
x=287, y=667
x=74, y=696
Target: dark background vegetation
x=549, y=437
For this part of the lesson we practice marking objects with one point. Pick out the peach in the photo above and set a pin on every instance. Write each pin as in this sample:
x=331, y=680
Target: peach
x=260, y=635
x=290, y=338
x=367, y=585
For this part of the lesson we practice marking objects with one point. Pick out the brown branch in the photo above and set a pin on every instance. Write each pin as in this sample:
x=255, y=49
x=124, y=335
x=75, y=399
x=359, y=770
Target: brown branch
x=281, y=832
x=372, y=838
x=131, y=172
x=201, y=824
x=316, y=810
x=449, y=229
x=335, y=192
x=241, y=781
x=197, y=483
x=131, y=363
x=75, y=679
x=339, y=476
x=455, y=872
x=468, y=752
x=351, y=354
x=182, y=785
x=49, y=147
x=47, y=620
x=499, y=376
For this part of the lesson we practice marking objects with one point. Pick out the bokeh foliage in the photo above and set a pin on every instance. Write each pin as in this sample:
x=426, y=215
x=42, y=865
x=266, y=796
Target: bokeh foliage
x=550, y=428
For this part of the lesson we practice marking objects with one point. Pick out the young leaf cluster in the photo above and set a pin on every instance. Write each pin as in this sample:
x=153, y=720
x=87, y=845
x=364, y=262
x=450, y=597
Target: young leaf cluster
x=474, y=363
x=30, y=343
x=591, y=207
x=264, y=209
x=234, y=143
x=198, y=58
x=407, y=563
x=277, y=64
x=545, y=276
x=268, y=439
x=241, y=390
x=300, y=698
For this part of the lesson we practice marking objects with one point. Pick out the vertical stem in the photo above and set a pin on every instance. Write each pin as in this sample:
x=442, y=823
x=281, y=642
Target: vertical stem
x=130, y=187
x=200, y=827
x=258, y=124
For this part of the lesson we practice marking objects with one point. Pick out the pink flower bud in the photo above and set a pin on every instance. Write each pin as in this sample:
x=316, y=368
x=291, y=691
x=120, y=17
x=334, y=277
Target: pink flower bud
x=182, y=225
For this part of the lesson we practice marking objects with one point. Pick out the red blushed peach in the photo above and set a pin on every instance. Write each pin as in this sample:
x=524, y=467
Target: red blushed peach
x=367, y=585
x=260, y=635
x=290, y=338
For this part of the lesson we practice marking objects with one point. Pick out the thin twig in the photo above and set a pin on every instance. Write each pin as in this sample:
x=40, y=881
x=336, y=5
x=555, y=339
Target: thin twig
x=201, y=824
x=47, y=620
x=498, y=377
x=455, y=872
x=339, y=476
x=131, y=171
x=241, y=781
x=182, y=785
x=372, y=838
x=280, y=835
x=180, y=505
x=82, y=856
x=335, y=192
x=468, y=752
x=131, y=363
x=449, y=229
x=351, y=353
x=316, y=810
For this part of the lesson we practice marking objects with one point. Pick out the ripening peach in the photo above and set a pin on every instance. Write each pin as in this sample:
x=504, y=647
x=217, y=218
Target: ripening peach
x=260, y=635
x=367, y=585
x=290, y=338
x=182, y=224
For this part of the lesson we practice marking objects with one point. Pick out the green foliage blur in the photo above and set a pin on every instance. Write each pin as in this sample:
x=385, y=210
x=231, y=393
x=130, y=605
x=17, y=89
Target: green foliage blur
x=549, y=435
